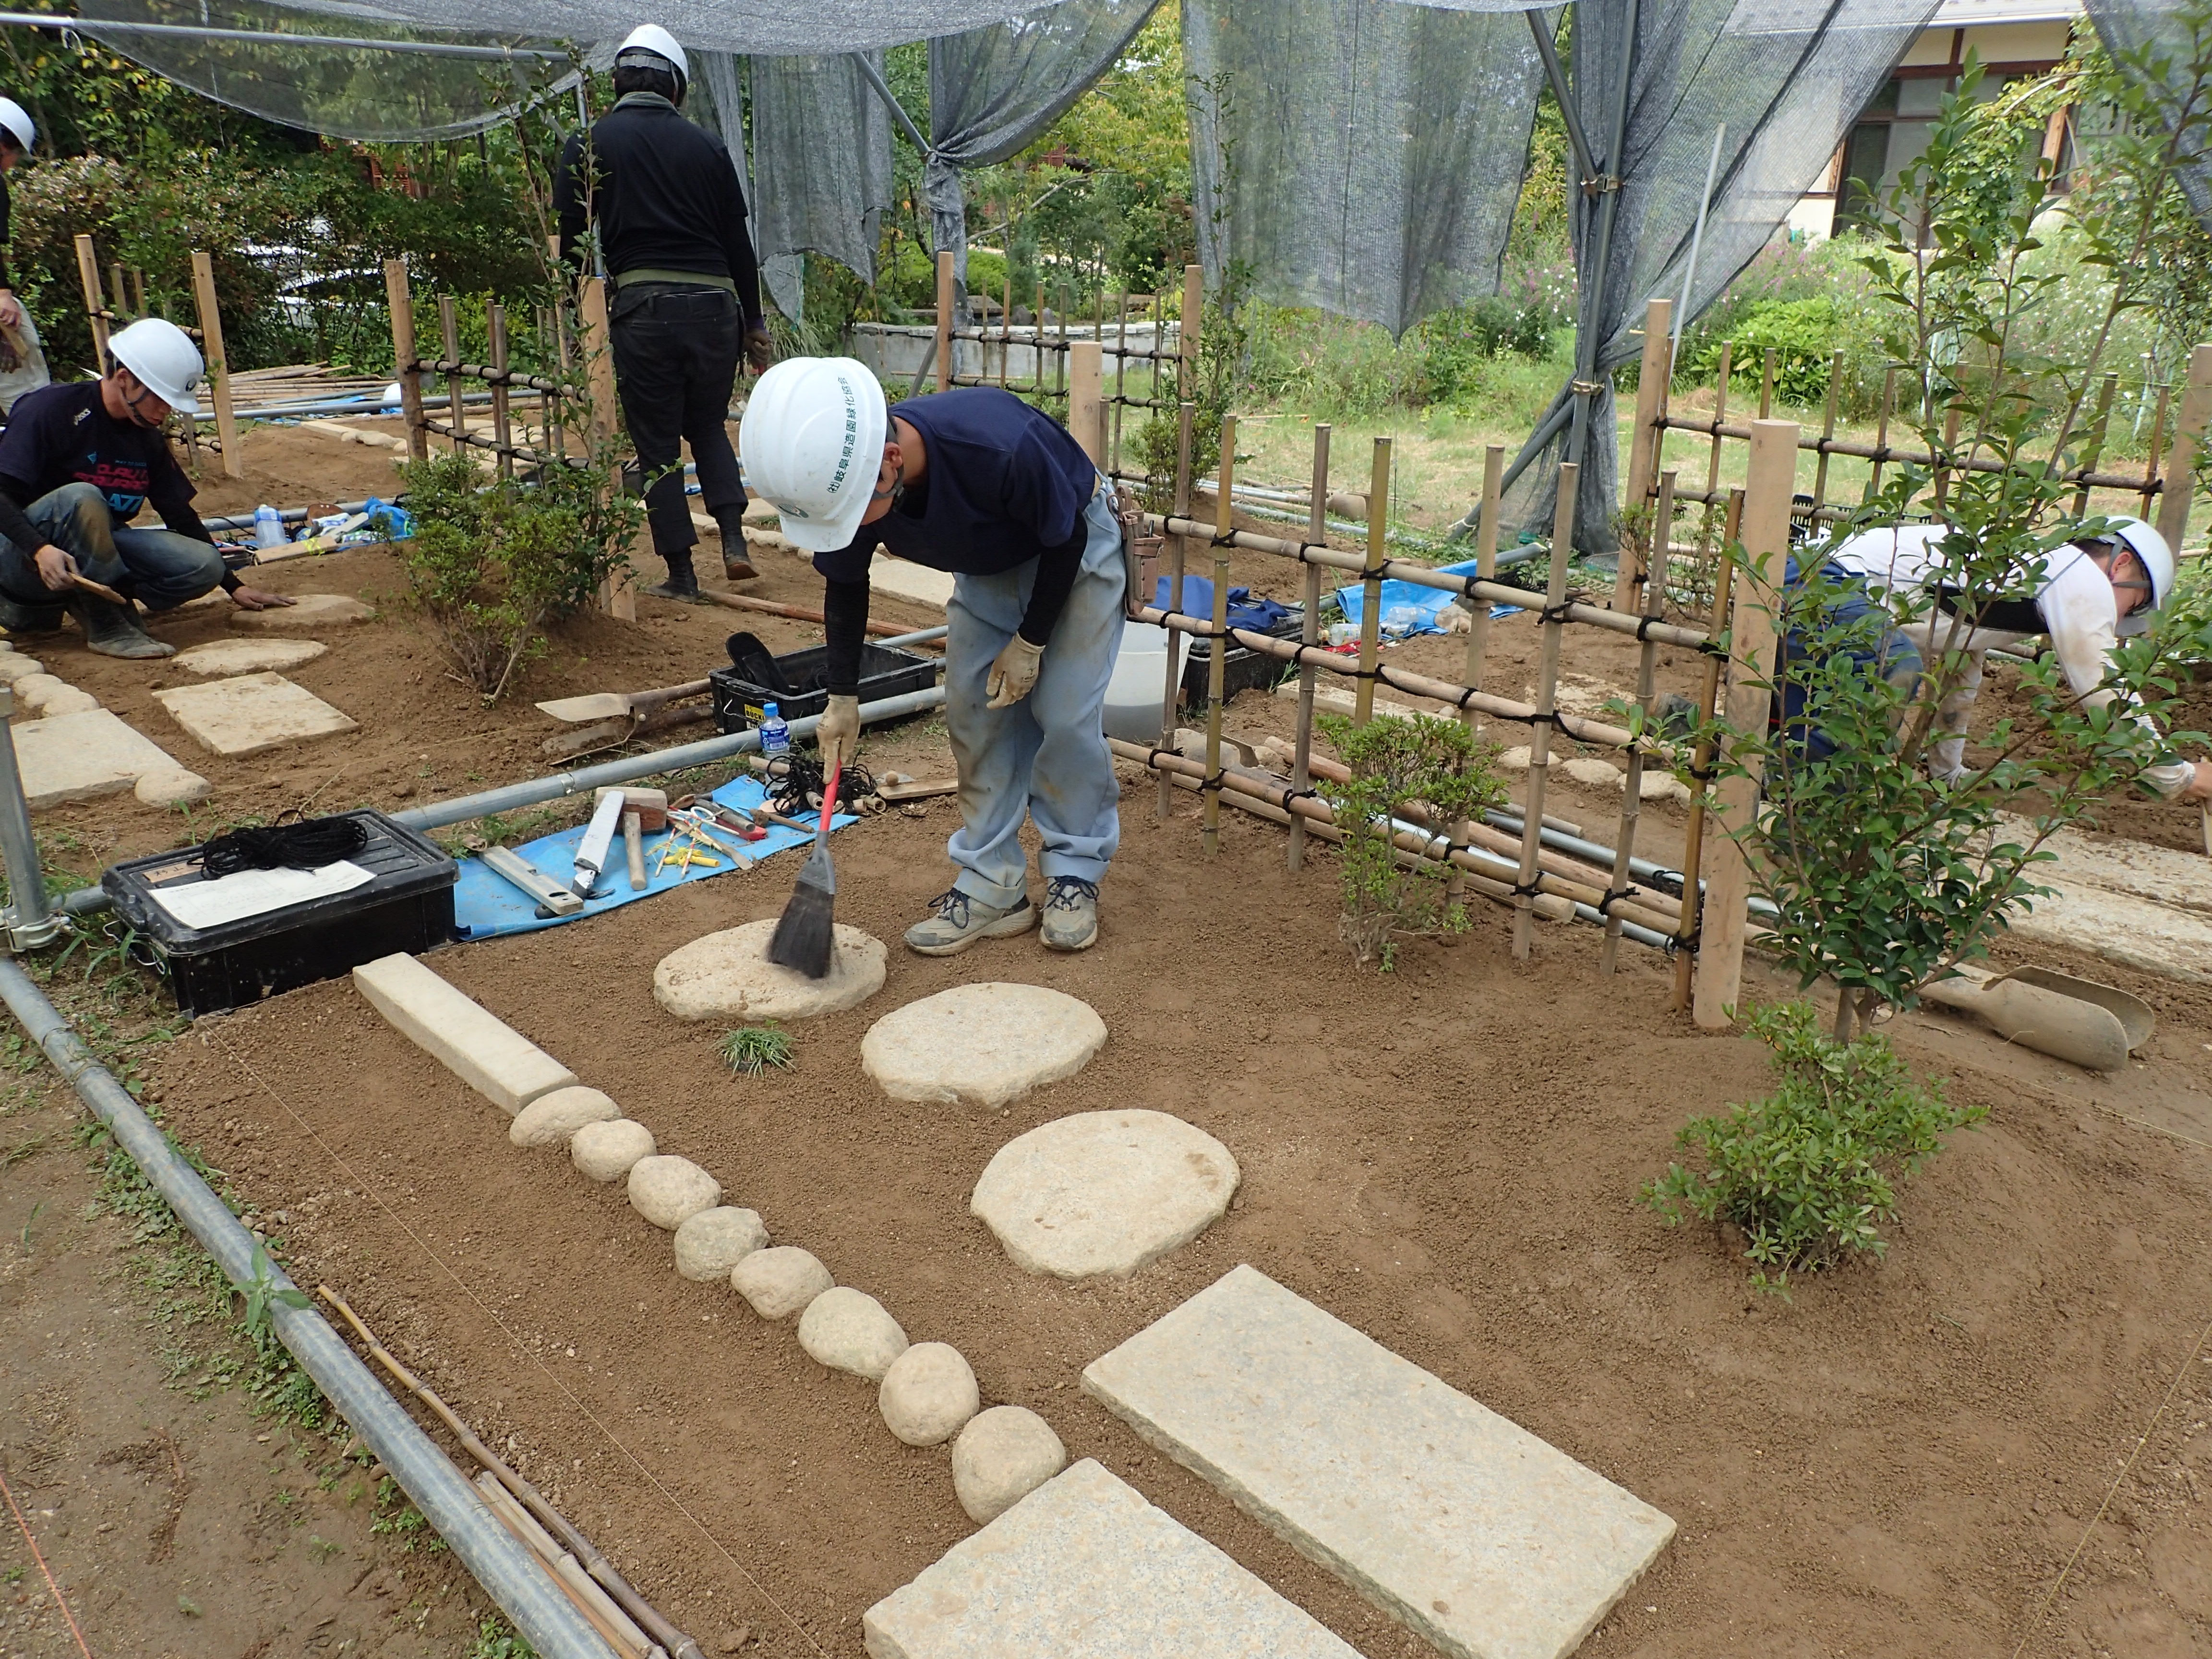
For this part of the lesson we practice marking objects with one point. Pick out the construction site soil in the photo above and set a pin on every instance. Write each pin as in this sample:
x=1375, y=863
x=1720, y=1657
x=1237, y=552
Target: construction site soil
x=1901, y=1460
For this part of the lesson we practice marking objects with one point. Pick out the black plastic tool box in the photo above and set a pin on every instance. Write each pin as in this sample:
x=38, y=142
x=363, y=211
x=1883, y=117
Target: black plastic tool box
x=886, y=672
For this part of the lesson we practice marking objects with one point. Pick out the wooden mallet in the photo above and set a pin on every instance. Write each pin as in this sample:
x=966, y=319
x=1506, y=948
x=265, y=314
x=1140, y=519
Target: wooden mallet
x=644, y=811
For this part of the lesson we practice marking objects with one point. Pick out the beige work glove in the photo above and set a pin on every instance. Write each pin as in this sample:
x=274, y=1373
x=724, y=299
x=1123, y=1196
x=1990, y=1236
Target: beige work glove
x=839, y=734
x=1014, y=674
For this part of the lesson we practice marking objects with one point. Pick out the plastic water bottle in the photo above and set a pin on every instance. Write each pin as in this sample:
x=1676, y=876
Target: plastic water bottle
x=775, y=736
x=268, y=526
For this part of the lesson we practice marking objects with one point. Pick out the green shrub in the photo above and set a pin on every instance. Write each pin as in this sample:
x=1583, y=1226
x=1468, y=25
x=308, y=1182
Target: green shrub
x=749, y=1051
x=1806, y=334
x=1808, y=1173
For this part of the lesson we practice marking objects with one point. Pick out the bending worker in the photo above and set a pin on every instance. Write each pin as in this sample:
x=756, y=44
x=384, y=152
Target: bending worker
x=975, y=482
x=77, y=463
x=2089, y=593
x=670, y=215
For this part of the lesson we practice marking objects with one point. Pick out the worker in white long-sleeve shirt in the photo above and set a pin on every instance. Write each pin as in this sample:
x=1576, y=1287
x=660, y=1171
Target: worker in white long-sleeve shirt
x=2089, y=593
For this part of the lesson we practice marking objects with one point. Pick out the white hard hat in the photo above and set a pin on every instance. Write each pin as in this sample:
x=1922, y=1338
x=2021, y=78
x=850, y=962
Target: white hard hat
x=811, y=444
x=2147, y=545
x=654, y=39
x=165, y=361
x=17, y=120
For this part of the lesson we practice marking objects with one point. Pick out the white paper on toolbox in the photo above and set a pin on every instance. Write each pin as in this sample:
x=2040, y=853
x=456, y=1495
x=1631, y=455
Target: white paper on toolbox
x=257, y=892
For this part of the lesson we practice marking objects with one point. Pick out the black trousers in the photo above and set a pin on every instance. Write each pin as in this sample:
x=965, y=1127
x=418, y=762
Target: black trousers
x=676, y=351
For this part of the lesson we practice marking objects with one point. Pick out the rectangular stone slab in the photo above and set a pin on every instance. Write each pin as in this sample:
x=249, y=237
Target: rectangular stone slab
x=82, y=756
x=491, y=1057
x=1083, y=1568
x=251, y=712
x=1479, y=1535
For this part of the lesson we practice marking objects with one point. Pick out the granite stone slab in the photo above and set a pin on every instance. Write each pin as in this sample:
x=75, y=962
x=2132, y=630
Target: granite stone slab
x=92, y=753
x=251, y=713
x=1482, y=1538
x=1083, y=1568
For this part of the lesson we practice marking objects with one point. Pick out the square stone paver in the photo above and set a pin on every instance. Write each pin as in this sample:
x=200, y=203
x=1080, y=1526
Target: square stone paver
x=1479, y=1535
x=1083, y=1568
x=251, y=713
x=85, y=755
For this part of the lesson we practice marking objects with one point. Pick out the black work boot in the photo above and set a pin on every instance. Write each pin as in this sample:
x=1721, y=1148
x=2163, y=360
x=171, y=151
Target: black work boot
x=112, y=630
x=737, y=555
x=20, y=618
x=682, y=583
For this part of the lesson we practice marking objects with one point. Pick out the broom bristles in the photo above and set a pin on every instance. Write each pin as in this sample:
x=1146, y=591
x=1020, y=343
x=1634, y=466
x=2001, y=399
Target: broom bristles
x=804, y=936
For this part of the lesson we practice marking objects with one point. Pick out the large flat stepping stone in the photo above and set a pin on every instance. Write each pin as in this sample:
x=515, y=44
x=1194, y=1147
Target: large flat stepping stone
x=247, y=656
x=727, y=976
x=1103, y=1191
x=1485, y=1540
x=490, y=1056
x=84, y=757
x=312, y=611
x=251, y=713
x=1083, y=1568
x=988, y=1043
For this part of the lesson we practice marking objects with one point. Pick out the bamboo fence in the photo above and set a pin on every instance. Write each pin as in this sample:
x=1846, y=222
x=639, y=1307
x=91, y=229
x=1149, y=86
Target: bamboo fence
x=119, y=299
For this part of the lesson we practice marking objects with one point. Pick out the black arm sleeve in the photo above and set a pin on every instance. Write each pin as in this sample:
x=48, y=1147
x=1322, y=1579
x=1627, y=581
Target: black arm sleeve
x=844, y=631
x=568, y=201
x=738, y=249
x=13, y=523
x=1056, y=581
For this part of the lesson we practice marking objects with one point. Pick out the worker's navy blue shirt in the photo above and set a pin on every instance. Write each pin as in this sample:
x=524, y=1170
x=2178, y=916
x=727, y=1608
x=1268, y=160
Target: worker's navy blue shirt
x=1002, y=483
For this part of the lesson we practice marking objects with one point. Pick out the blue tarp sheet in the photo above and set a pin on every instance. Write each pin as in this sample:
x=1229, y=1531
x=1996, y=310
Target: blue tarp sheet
x=1429, y=601
x=484, y=906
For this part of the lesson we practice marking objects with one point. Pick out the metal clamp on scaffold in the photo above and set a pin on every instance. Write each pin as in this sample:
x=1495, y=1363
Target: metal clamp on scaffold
x=28, y=922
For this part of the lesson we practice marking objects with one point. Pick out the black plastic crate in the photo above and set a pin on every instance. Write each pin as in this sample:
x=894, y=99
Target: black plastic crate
x=1243, y=669
x=886, y=671
x=408, y=906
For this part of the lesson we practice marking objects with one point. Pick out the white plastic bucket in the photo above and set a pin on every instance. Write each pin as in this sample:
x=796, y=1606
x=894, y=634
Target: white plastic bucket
x=1140, y=672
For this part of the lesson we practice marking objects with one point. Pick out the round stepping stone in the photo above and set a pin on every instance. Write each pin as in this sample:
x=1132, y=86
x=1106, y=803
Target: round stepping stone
x=1593, y=773
x=248, y=656
x=175, y=787
x=987, y=1043
x=727, y=976
x=713, y=1242
x=45, y=693
x=1103, y=1191
x=847, y=1330
x=780, y=1280
x=606, y=1152
x=928, y=1394
x=669, y=1191
x=550, y=1119
x=13, y=668
x=312, y=611
x=1001, y=1457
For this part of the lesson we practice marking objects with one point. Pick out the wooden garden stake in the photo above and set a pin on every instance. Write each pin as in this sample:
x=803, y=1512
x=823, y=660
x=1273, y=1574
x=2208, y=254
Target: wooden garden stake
x=1766, y=382
x=404, y=356
x=1631, y=799
x=1309, y=633
x=1370, y=591
x=1648, y=439
x=1701, y=764
x=95, y=303
x=2181, y=460
x=2095, y=446
x=1177, y=550
x=218, y=365
x=1539, y=743
x=618, y=594
x=449, y=332
x=1186, y=332
x=1478, y=621
x=1768, y=483
x=1005, y=329
x=1217, y=661
x=946, y=288
x=1882, y=431
x=2149, y=491
x=1713, y=463
x=501, y=429
x=1827, y=435
x=119, y=302
x=1083, y=408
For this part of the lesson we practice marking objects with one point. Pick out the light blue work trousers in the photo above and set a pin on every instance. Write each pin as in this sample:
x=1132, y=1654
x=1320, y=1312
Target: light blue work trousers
x=1044, y=758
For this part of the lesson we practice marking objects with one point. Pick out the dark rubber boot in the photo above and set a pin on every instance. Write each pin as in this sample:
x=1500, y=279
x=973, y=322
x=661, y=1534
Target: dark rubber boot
x=737, y=555
x=682, y=583
x=112, y=630
x=19, y=618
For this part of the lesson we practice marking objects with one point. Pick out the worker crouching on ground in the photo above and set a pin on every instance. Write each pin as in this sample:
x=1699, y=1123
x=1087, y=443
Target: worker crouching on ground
x=2089, y=593
x=77, y=463
x=976, y=482
x=670, y=216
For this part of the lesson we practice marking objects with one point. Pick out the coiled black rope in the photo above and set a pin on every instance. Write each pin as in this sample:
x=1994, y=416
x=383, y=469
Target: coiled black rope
x=796, y=783
x=306, y=844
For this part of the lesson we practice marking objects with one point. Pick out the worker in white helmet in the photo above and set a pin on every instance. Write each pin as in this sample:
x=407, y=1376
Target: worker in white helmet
x=77, y=463
x=669, y=212
x=23, y=359
x=2089, y=593
x=975, y=482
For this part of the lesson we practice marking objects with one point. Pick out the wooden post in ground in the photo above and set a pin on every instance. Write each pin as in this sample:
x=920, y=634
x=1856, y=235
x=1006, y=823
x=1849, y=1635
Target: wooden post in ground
x=1632, y=795
x=218, y=365
x=1370, y=589
x=946, y=288
x=1701, y=766
x=449, y=335
x=2181, y=458
x=1645, y=443
x=96, y=304
x=501, y=428
x=618, y=594
x=1189, y=330
x=405, y=353
x=1767, y=489
x=1085, y=375
x=1539, y=741
x=1217, y=660
x=1178, y=551
x=1309, y=633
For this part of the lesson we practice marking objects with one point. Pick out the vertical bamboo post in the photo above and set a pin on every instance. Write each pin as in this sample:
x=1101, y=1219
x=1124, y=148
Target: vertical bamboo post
x=1827, y=436
x=449, y=338
x=1766, y=382
x=2149, y=491
x=502, y=430
x=1942, y=470
x=1005, y=329
x=2181, y=458
x=1112, y=435
x=1713, y=459
x=1036, y=343
x=2093, y=448
x=1189, y=330
x=1177, y=551
x=1768, y=485
x=549, y=421
x=1632, y=798
x=95, y=305
x=1217, y=662
x=1309, y=635
x=118, y=291
x=946, y=288
x=138, y=293
x=1649, y=438
x=404, y=355
x=1371, y=588
x=1083, y=409
x=1539, y=745
x=1882, y=431
x=1478, y=625
x=1701, y=767
x=218, y=365
x=618, y=594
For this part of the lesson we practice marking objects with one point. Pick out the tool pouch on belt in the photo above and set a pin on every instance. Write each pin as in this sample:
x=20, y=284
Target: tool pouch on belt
x=1140, y=551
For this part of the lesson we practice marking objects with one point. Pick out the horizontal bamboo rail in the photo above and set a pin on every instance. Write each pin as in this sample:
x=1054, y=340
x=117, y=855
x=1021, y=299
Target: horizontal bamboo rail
x=1888, y=455
x=489, y=375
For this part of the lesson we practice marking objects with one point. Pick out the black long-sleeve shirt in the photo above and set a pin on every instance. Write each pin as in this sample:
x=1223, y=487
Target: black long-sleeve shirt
x=665, y=196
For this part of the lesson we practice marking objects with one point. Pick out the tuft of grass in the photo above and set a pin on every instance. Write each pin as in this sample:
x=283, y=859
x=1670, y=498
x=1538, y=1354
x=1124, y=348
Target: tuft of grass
x=751, y=1049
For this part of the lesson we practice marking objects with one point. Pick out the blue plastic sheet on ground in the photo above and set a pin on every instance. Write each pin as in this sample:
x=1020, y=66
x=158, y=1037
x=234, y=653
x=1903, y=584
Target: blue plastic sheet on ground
x=1261, y=615
x=485, y=906
x=1428, y=602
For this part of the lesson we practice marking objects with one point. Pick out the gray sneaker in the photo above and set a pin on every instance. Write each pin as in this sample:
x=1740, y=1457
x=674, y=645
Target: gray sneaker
x=1071, y=914
x=956, y=921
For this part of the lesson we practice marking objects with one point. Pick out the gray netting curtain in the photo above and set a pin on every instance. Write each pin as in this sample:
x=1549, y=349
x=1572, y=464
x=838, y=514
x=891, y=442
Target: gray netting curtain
x=821, y=146
x=1788, y=78
x=2160, y=41
x=1358, y=155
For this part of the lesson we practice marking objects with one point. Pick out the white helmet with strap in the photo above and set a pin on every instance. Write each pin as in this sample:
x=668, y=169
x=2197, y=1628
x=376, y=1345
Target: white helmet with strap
x=17, y=121
x=649, y=41
x=811, y=444
x=165, y=361
x=2150, y=550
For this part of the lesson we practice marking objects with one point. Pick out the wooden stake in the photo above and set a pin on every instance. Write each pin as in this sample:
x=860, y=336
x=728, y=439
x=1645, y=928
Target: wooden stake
x=138, y=292
x=1632, y=798
x=618, y=594
x=1371, y=592
x=1217, y=661
x=1187, y=332
x=2181, y=458
x=1882, y=431
x=1713, y=464
x=947, y=287
x=1769, y=485
x=1649, y=438
x=1547, y=683
x=1083, y=408
x=1486, y=568
x=1766, y=382
x=501, y=429
x=1827, y=435
x=2149, y=491
x=1701, y=765
x=449, y=334
x=1317, y=533
x=95, y=303
x=1178, y=551
x=1006, y=328
x=1111, y=435
x=2094, y=445
x=405, y=353
x=218, y=364
x=119, y=290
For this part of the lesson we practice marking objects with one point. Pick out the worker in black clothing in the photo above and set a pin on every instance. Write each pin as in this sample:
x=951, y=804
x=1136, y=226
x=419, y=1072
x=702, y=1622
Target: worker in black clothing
x=670, y=216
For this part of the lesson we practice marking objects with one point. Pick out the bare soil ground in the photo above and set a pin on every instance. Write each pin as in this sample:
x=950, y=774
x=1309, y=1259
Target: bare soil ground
x=1901, y=1461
